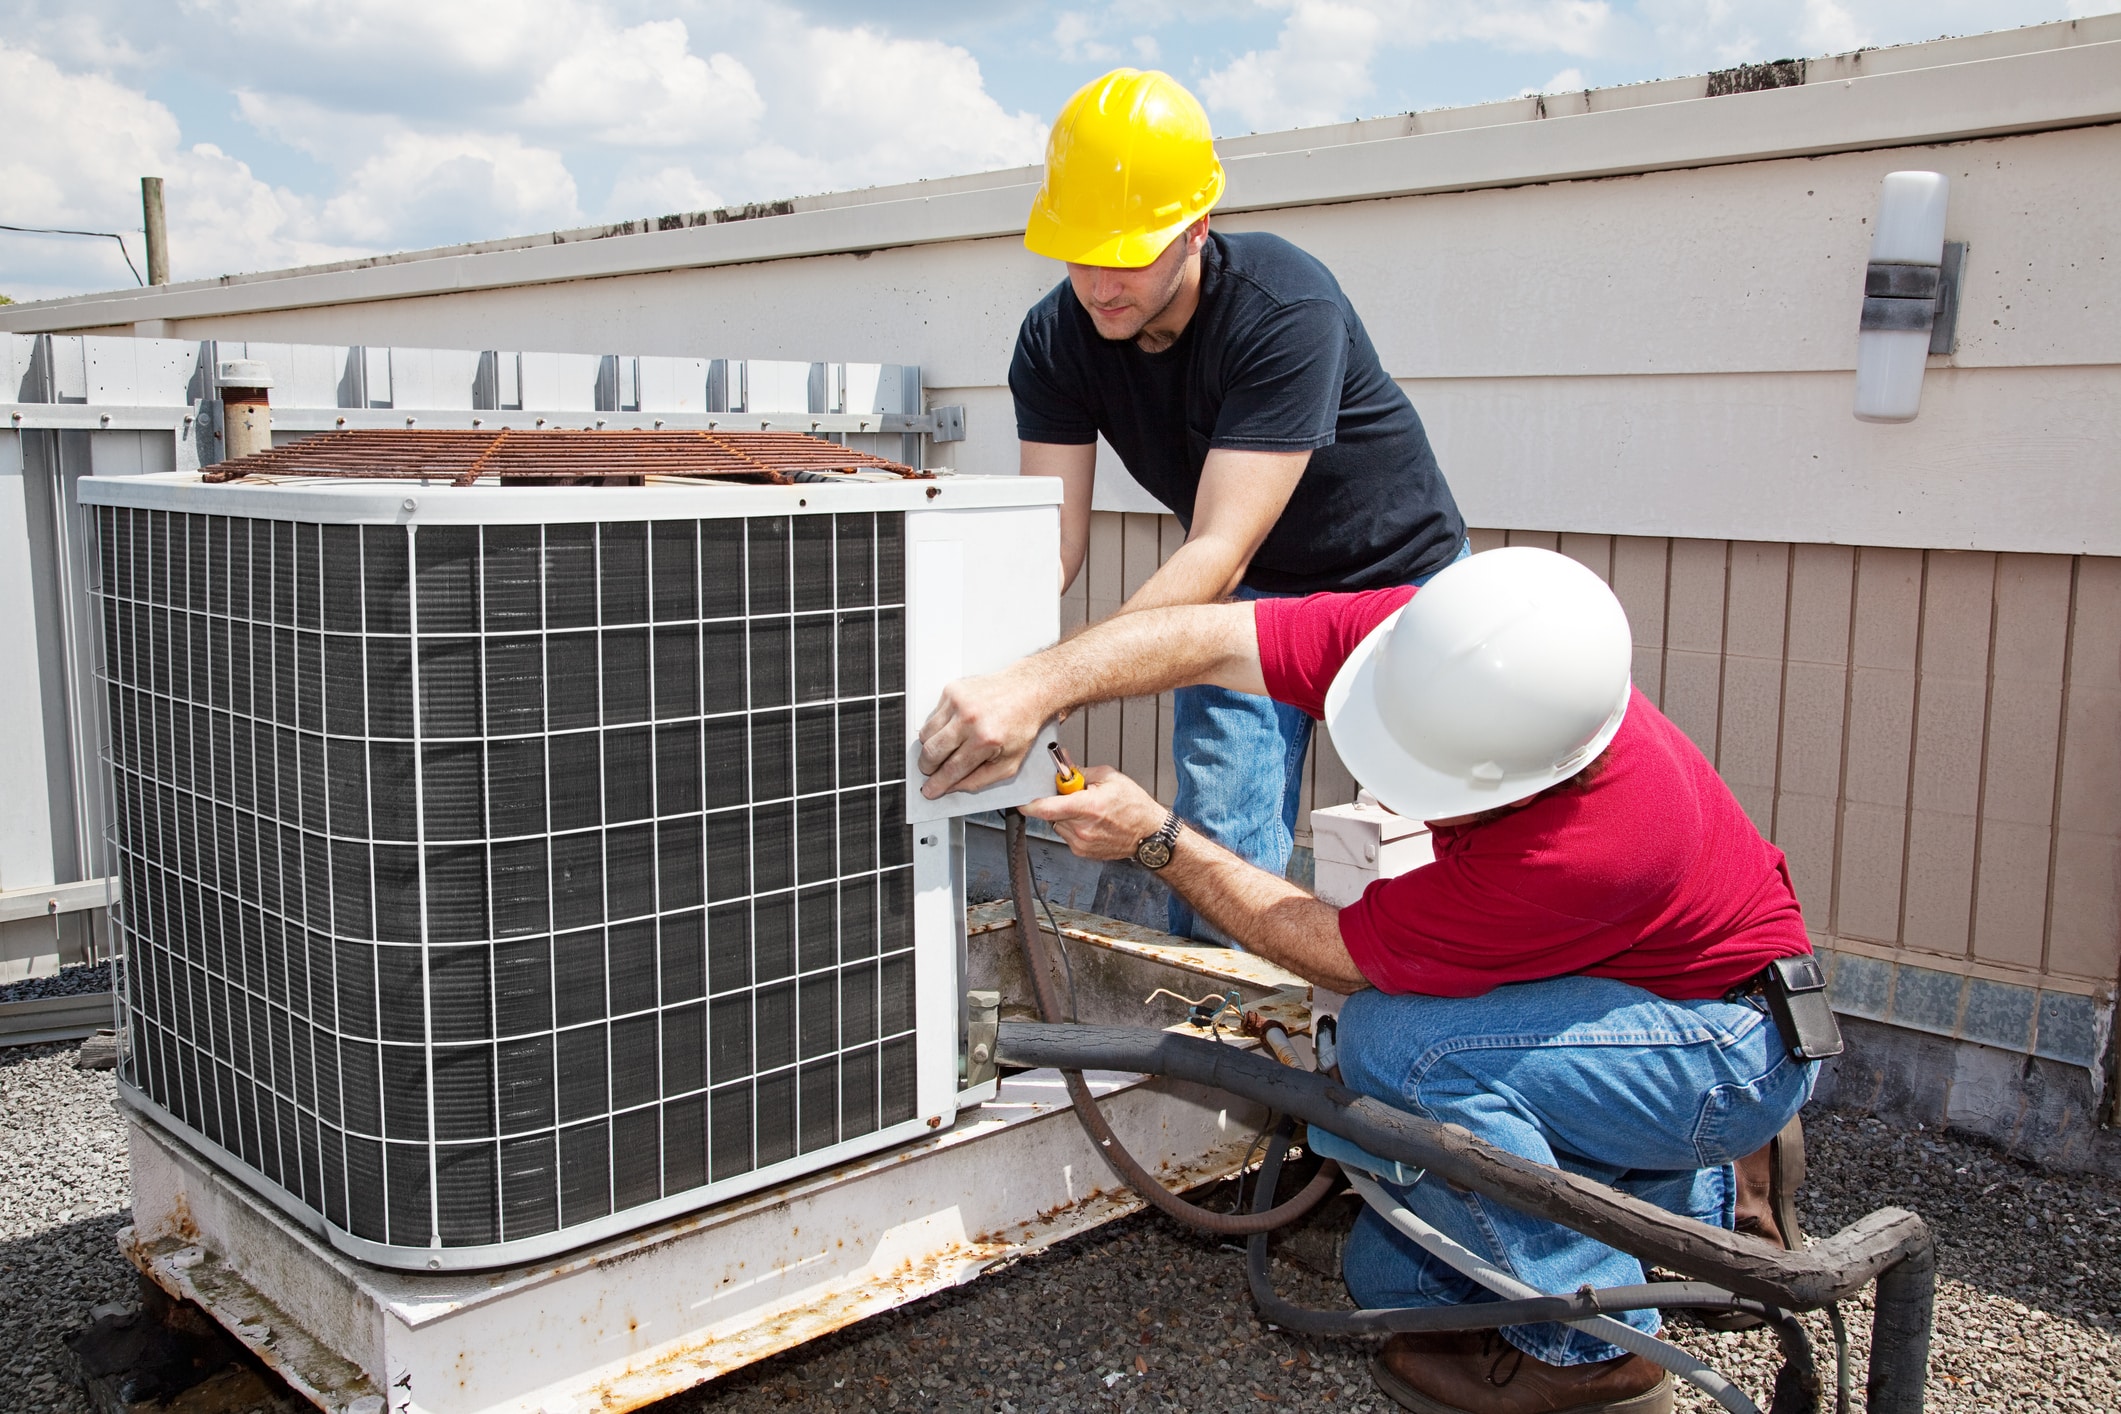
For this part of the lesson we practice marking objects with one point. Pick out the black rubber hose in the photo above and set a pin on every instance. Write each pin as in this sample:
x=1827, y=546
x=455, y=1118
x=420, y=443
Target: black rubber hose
x=1124, y=1164
x=1900, y=1334
x=1797, y=1384
x=1832, y=1268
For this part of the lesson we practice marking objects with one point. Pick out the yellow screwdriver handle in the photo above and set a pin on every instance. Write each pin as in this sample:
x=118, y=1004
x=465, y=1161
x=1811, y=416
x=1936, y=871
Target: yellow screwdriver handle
x=1066, y=779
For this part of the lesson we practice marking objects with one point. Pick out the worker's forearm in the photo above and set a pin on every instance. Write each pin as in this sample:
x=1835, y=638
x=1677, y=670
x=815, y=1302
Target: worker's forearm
x=1266, y=915
x=1201, y=572
x=1137, y=655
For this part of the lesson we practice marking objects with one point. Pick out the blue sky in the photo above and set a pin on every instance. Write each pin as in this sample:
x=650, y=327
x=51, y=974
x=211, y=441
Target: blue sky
x=291, y=131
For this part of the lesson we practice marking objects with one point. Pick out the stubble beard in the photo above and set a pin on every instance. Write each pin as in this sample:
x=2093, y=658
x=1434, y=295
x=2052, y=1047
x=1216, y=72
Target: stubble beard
x=1130, y=334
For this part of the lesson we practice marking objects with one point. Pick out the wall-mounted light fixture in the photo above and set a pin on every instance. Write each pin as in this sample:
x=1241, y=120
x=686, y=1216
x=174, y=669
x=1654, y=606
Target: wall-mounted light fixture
x=1910, y=296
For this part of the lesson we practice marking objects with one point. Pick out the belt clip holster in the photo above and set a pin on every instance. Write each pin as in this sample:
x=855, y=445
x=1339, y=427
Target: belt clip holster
x=1795, y=991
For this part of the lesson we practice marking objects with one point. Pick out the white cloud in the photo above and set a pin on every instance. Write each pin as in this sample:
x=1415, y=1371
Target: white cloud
x=1318, y=67
x=85, y=172
x=854, y=108
x=1074, y=39
x=660, y=191
x=643, y=87
x=1567, y=81
x=1829, y=28
x=422, y=189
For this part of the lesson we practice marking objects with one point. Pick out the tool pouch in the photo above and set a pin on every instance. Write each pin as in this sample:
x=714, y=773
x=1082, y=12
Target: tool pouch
x=1794, y=989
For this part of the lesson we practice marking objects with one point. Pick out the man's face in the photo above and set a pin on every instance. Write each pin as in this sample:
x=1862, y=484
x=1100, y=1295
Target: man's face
x=1122, y=302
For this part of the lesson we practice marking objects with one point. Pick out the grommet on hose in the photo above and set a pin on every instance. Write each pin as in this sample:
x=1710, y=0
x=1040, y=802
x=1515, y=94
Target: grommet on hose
x=1130, y=1170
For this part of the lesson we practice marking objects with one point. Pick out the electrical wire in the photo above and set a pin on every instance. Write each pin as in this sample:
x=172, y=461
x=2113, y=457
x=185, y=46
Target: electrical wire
x=1038, y=968
x=103, y=235
x=1060, y=945
x=1842, y=1379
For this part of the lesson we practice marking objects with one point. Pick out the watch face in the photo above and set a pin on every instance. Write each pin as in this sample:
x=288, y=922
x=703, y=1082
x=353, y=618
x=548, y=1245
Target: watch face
x=1153, y=852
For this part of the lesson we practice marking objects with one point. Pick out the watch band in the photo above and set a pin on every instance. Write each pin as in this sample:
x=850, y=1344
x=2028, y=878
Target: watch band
x=1154, y=851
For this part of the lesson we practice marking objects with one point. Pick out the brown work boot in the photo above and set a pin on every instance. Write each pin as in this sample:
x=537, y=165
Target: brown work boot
x=1768, y=1180
x=1478, y=1372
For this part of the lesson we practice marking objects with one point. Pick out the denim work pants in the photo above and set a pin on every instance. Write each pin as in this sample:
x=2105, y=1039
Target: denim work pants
x=1654, y=1097
x=1240, y=765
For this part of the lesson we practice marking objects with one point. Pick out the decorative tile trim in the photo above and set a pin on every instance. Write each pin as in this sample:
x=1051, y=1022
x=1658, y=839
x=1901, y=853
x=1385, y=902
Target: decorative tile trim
x=2062, y=1026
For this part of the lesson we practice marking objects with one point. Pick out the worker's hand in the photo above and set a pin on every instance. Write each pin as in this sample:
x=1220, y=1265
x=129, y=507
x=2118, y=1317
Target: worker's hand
x=979, y=731
x=1104, y=820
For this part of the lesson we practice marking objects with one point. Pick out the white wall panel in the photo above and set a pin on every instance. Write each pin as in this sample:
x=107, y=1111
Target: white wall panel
x=25, y=822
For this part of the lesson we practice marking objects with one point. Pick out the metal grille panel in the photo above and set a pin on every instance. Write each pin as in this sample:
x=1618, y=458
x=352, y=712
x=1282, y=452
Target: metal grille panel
x=486, y=881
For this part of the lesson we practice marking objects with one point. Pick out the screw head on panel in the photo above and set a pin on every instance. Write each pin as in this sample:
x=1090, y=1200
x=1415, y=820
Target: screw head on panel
x=411, y=504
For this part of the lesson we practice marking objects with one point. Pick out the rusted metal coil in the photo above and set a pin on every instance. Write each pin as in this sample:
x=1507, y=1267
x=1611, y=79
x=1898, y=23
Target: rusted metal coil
x=556, y=458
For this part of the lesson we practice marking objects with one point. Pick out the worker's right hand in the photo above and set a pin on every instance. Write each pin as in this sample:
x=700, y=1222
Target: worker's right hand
x=979, y=731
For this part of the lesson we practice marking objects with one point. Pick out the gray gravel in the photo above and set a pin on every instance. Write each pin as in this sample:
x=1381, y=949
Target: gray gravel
x=1144, y=1315
x=66, y=982
x=64, y=1193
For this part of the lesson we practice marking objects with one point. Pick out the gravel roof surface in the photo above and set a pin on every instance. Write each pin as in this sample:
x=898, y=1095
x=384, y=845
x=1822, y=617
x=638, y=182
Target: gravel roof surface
x=1144, y=1315
x=66, y=982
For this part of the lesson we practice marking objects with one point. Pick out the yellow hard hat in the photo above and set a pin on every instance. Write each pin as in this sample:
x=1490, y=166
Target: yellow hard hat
x=1130, y=164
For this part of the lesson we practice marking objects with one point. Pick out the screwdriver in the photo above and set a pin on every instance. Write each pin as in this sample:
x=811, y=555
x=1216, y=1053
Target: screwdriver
x=1066, y=779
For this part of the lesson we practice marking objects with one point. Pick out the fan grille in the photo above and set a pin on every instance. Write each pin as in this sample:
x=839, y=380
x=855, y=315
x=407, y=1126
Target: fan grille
x=480, y=882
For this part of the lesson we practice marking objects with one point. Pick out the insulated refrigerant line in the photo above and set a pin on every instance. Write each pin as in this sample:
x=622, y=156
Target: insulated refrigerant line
x=1123, y=1163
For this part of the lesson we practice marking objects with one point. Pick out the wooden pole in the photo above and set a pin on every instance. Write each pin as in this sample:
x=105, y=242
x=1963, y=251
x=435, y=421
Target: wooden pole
x=157, y=231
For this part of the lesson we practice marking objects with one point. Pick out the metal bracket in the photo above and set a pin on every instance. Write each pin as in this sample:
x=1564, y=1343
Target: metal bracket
x=1946, y=328
x=946, y=424
x=1912, y=298
x=51, y=900
x=983, y=1016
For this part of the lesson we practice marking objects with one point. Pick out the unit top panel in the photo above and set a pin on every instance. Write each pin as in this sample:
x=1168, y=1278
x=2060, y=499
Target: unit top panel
x=436, y=501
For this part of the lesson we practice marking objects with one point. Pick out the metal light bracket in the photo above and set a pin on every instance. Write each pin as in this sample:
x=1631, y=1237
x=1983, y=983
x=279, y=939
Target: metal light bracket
x=1913, y=297
x=983, y=1016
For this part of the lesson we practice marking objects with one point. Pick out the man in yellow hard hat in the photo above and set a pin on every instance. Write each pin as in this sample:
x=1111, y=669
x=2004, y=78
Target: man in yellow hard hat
x=1238, y=386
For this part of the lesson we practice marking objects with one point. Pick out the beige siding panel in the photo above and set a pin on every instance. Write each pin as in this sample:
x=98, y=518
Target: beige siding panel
x=1593, y=552
x=1103, y=570
x=1333, y=783
x=1486, y=539
x=1693, y=646
x=2023, y=745
x=1170, y=535
x=1103, y=566
x=1944, y=789
x=2084, y=927
x=1141, y=553
x=1750, y=730
x=1539, y=539
x=1881, y=695
x=1814, y=696
x=1639, y=577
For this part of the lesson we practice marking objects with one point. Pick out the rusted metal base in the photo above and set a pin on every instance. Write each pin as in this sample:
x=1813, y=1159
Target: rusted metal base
x=159, y=1356
x=625, y=1323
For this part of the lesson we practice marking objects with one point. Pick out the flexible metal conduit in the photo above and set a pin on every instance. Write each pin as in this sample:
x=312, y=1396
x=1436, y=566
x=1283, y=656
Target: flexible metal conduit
x=1036, y=965
x=1892, y=1246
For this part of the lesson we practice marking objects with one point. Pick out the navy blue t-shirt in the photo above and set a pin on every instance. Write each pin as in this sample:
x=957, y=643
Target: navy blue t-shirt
x=1273, y=360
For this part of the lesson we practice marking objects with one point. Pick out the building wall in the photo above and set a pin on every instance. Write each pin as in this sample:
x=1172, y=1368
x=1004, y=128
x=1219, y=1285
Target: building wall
x=1933, y=737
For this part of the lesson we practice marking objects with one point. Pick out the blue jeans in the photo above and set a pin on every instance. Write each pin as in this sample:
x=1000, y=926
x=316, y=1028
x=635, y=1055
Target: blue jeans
x=1240, y=764
x=1654, y=1097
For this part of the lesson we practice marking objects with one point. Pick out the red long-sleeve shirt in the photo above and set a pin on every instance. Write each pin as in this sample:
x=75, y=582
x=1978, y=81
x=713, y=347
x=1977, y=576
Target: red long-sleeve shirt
x=1652, y=874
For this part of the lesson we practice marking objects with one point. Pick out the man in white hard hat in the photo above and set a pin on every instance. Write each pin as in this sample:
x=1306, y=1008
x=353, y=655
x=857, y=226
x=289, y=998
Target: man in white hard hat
x=1573, y=979
x=1233, y=378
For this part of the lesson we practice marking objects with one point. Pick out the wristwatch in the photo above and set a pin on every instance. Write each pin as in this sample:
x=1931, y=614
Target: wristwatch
x=1154, y=852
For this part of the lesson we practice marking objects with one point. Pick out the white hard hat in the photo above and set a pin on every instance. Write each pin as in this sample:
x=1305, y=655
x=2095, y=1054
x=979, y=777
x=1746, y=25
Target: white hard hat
x=1506, y=674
